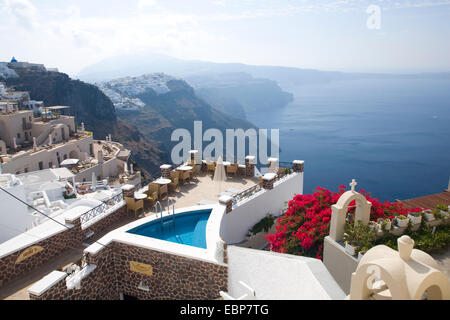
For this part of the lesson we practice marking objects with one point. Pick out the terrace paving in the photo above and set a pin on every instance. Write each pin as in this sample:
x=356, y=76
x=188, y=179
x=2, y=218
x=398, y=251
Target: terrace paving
x=201, y=188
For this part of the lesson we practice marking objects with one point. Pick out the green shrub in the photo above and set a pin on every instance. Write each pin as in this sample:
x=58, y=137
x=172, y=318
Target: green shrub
x=264, y=225
x=424, y=239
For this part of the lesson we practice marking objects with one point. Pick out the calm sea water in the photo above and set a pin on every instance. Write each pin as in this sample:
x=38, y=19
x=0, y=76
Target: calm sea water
x=392, y=136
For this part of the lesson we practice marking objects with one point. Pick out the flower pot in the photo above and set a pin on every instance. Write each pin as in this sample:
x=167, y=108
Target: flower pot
x=350, y=249
x=402, y=223
x=415, y=219
x=360, y=255
x=386, y=227
x=429, y=216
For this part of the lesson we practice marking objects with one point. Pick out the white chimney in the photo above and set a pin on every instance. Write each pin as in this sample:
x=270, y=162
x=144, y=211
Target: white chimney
x=50, y=140
x=14, y=143
x=34, y=144
x=82, y=126
x=131, y=168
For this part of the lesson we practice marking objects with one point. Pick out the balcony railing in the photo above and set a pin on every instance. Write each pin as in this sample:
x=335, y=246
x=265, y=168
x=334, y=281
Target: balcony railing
x=246, y=194
x=106, y=205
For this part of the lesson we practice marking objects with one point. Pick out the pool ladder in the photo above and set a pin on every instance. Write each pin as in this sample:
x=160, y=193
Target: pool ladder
x=171, y=221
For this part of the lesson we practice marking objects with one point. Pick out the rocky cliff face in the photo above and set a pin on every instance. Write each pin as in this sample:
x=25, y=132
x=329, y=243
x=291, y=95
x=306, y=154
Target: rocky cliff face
x=167, y=110
x=239, y=93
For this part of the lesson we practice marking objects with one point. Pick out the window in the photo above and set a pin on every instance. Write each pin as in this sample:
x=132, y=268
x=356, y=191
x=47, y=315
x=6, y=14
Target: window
x=41, y=165
x=65, y=156
x=50, y=165
x=26, y=170
x=18, y=136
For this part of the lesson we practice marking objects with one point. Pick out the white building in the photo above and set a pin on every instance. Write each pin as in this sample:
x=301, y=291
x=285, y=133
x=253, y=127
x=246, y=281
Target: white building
x=43, y=191
x=30, y=144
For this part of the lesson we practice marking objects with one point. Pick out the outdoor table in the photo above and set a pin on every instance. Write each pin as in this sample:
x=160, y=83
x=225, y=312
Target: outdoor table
x=185, y=168
x=162, y=181
x=140, y=196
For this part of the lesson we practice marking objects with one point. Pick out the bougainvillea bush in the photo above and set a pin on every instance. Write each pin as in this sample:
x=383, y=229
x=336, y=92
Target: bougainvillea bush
x=302, y=228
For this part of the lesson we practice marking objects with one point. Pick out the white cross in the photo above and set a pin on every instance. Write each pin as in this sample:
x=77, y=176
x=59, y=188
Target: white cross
x=353, y=184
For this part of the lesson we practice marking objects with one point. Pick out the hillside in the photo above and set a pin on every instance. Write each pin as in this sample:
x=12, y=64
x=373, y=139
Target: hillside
x=166, y=110
x=239, y=93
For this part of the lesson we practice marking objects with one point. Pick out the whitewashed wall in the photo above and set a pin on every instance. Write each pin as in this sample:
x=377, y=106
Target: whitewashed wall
x=236, y=224
x=14, y=215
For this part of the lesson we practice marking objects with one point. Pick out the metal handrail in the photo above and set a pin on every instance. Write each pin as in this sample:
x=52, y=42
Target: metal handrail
x=160, y=208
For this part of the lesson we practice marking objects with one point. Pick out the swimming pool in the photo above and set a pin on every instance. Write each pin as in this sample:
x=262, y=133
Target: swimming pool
x=187, y=228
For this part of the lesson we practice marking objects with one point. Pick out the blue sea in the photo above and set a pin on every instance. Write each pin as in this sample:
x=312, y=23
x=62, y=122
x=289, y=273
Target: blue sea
x=392, y=136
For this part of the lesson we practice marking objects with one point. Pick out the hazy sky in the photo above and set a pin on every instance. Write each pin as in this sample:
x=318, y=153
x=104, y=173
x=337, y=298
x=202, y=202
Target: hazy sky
x=328, y=35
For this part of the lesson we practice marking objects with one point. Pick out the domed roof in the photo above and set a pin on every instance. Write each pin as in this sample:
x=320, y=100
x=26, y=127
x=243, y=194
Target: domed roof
x=13, y=60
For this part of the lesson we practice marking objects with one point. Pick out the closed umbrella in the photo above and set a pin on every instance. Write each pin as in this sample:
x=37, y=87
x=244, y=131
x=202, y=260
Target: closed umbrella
x=94, y=181
x=219, y=174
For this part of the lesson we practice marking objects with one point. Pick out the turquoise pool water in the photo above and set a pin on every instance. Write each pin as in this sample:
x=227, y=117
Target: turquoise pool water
x=187, y=228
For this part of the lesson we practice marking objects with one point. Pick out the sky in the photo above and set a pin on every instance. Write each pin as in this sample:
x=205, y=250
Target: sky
x=344, y=35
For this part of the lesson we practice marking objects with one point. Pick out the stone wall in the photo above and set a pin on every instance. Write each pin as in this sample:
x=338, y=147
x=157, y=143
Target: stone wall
x=101, y=284
x=53, y=246
x=173, y=277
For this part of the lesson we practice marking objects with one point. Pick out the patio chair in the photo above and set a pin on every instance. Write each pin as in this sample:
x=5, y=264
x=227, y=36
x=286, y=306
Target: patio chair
x=153, y=187
x=152, y=197
x=163, y=191
x=185, y=176
x=134, y=205
x=212, y=167
x=174, y=184
x=233, y=168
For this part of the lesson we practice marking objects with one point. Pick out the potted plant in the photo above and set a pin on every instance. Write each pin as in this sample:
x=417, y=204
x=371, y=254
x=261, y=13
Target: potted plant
x=415, y=217
x=402, y=221
x=444, y=210
x=429, y=216
x=351, y=245
x=385, y=224
x=362, y=252
x=358, y=236
x=374, y=226
x=437, y=214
